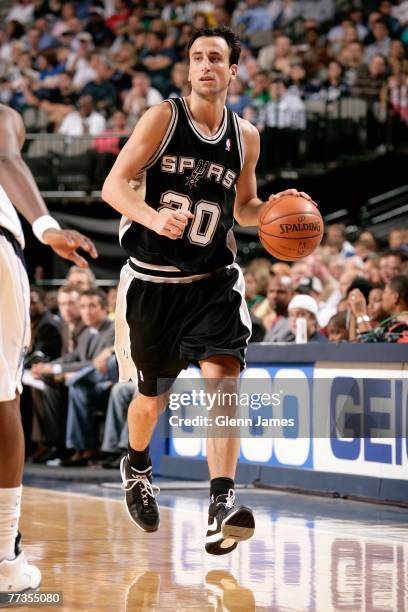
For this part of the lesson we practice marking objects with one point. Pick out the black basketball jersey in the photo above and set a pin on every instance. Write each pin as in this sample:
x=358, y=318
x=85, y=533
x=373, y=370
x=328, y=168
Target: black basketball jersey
x=189, y=171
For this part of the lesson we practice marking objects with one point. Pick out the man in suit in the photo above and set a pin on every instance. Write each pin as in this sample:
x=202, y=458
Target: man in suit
x=46, y=338
x=87, y=372
x=50, y=404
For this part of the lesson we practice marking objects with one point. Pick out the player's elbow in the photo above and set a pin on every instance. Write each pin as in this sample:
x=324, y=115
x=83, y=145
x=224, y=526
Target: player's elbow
x=107, y=190
x=241, y=219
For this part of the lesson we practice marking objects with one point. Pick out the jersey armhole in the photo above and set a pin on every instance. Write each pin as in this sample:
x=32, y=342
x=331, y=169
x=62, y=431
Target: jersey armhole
x=167, y=137
x=240, y=139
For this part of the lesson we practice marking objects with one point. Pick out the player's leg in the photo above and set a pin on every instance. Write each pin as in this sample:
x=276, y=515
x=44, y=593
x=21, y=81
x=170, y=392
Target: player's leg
x=146, y=345
x=228, y=524
x=15, y=573
x=136, y=467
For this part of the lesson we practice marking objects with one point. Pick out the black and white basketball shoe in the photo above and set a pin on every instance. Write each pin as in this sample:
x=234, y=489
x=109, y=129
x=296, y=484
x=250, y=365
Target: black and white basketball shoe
x=227, y=524
x=140, y=496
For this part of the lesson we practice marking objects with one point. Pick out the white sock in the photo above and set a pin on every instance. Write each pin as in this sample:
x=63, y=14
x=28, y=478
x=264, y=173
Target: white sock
x=10, y=502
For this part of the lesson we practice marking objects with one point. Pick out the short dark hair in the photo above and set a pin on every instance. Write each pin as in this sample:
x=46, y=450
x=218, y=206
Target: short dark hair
x=40, y=293
x=103, y=299
x=339, y=319
x=399, y=284
x=227, y=34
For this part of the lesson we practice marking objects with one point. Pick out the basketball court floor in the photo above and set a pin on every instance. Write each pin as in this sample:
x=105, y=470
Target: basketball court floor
x=308, y=553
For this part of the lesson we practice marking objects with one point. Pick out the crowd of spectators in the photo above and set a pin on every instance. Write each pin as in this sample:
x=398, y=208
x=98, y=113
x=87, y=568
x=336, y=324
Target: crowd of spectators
x=346, y=292
x=82, y=61
x=343, y=292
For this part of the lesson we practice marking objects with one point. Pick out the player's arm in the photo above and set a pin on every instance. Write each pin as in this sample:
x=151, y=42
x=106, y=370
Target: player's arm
x=20, y=186
x=139, y=149
x=248, y=206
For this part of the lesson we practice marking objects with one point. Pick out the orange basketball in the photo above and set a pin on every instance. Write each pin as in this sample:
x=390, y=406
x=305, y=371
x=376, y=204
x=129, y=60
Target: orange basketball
x=290, y=227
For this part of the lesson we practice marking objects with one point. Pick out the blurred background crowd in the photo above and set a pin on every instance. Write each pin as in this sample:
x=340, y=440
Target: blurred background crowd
x=317, y=77
x=343, y=292
x=93, y=67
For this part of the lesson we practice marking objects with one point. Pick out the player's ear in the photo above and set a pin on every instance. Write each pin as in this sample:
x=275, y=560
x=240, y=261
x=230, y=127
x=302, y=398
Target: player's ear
x=233, y=71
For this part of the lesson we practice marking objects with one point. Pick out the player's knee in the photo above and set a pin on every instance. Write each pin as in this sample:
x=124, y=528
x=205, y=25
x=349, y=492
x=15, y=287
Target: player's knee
x=149, y=408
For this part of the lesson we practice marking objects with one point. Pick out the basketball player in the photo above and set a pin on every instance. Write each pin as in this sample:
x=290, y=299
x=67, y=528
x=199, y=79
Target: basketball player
x=18, y=189
x=187, y=170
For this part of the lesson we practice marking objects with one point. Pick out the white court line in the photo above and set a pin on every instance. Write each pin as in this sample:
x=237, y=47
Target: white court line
x=260, y=523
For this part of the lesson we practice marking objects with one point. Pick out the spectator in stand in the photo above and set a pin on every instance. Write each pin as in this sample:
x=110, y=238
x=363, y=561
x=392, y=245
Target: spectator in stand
x=158, y=60
x=108, y=143
x=116, y=434
x=101, y=89
x=277, y=56
x=336, y=240
x=47, y=40
x=83, y=121
x=398, y=240
x=395, y=305
x=86, y=371
x=276, y=321
x=260, y=268
x=342, y=35
x=141, y=97
x=120, y=15
x=177, y=12
x=391, y=264
x=237, y=99
x=21, y=11
x=50, y=403
x=313, y=286
x=252, y=17
x=11, y=33
x=102, y=36
x=179, y=80
x=382, y=41
x=284, y=110
x=385, y=10
x=374, y=306
x=252, y=296
x=46, y=339
x=32, y=41
x=284, y=13
x=337, y=328
x=57, y=101
x=371, y=270
x=352, y=59
x=313, y=52
x=80, y=278
x=335, y=86
x=305, y=307
x=79, y=62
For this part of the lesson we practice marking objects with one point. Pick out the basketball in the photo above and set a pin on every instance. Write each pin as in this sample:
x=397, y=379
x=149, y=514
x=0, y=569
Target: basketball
x=290, y=227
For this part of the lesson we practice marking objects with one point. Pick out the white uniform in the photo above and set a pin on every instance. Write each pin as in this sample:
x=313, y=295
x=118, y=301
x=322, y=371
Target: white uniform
x=14, y=301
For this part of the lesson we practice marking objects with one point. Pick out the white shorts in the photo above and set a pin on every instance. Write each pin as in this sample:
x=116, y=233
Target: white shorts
x=14, y=319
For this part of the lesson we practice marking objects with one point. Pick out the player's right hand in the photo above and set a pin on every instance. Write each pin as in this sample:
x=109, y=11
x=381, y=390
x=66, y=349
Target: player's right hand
x=171, y=223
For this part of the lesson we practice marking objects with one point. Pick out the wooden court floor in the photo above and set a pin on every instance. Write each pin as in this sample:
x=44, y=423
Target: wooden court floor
x=87, y=548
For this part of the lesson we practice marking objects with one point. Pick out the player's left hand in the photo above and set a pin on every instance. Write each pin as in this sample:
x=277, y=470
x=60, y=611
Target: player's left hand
x=66, y=242
x=295, y=192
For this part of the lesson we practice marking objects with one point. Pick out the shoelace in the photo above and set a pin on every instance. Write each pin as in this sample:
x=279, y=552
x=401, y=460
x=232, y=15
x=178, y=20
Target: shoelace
x=146, y=487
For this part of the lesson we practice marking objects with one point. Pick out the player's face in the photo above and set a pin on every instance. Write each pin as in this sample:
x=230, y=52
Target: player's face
x=209, y=71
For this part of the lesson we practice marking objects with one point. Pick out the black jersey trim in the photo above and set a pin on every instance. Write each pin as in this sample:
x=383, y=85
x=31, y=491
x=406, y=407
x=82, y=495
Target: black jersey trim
x=240, y=140
x=167, y=137
x=209, y=139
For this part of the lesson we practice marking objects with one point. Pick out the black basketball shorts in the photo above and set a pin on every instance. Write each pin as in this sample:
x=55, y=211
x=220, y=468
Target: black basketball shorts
x=162, y=326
